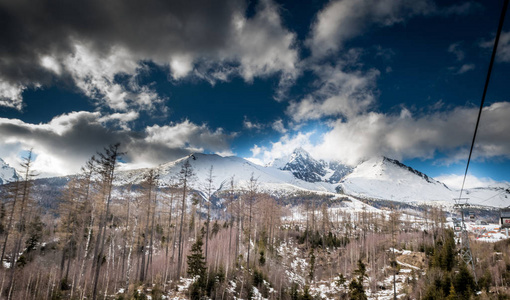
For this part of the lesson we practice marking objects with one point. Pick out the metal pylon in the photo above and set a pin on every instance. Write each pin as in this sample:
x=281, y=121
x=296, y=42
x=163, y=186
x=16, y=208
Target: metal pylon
x=464, y=247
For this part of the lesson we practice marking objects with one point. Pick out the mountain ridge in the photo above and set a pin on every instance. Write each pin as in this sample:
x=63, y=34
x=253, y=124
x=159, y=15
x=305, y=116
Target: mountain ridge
x=376, y=178
x=7, y=173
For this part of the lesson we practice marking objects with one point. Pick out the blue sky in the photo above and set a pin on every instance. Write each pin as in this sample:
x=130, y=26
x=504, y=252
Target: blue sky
x=344, y=79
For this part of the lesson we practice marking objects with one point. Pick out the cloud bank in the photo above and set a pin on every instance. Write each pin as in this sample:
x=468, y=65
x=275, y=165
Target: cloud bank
x=67, y=141
x=91, y=43
x=405, y=136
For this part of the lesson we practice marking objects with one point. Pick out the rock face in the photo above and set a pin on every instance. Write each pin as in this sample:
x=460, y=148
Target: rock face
x=7, y=173
x=303, y=166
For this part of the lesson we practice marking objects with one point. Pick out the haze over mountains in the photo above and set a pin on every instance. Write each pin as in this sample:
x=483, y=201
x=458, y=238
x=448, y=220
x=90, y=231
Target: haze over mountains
x=376, y=178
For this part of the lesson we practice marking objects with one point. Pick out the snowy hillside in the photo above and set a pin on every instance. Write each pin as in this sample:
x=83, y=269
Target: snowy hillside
x=377, y=178
x=497, y=196
x=7, y=173
x=269, y=178
x=388, y=179
x=383, y=178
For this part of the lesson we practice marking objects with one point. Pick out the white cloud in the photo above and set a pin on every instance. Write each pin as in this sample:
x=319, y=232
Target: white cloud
x=404, y=136
x=181, y=66
x=456, y=50
x=95, y=76
x=410, y=137
x=188, y=135
x=465, y=68
x=51, y=64
x=341, y=20
x=67, y=141
x=262, y=45
x=503, y=52
x=455, y=181
x=259, y=46
x=278, y=126
x=285, y=146
x=250, y=125
x=212, y=41
x=340, y=93
x=11, y=94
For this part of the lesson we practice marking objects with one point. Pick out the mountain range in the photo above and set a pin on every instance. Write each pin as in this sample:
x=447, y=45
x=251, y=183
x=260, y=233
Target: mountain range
x=377, y=178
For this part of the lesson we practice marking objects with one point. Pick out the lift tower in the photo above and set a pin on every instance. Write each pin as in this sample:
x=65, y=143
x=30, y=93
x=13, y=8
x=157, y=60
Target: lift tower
x=465, y=249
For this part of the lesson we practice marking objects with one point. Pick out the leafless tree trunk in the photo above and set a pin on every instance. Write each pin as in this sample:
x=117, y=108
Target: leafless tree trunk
x=251, y=197
x=107, y=163
x=209, y=194
x=185, y=174
x=16, y=187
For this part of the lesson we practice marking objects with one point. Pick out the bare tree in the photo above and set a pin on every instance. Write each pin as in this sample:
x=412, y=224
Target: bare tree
x=14, y=191
x=150, y=182
x=170, y=213
x=209, y=194
x=86, y=181
x=185, y=175
x=251, y=197
x=107, y=163
x=22, y=217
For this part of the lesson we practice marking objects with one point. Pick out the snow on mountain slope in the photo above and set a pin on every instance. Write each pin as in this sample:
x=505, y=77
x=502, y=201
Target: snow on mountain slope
x=269, y=178
x=377, y=178
x=303, y=166
x=497, y=196
x=7, y=173
x=383, y=178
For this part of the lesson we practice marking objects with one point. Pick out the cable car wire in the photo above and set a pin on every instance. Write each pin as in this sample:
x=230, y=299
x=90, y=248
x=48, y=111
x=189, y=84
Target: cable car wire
x=496, y=41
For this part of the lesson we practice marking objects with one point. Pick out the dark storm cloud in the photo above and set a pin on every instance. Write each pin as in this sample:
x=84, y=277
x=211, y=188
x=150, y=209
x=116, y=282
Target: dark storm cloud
x=41, y=41
x=31, y=29
x=69, y=140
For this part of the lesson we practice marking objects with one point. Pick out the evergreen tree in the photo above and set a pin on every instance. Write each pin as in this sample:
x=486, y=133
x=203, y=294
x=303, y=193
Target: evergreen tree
x=464, y=283
x=197, y=269
x=196, y=260
x=312, y=264
x=452, y=295
x=356, y=290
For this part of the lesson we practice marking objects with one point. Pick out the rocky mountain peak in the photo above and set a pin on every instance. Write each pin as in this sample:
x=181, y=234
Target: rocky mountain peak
x=7, y=173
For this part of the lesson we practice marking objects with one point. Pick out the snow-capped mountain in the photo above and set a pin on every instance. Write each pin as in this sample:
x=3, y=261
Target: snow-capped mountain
x=377, y=178
x=268, y=178
x=339, y=171
x=388, y=179
x=7, y=173
x=303, y=166
x=384, y=178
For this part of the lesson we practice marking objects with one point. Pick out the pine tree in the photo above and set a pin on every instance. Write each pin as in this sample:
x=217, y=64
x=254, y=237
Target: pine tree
x=197, y=269
x=356, y=290
x=464, y=282
x=452, y=295
x=312, y=264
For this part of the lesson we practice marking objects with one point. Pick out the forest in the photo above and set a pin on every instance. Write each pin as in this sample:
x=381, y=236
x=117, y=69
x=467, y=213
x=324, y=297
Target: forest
x=161, y=240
